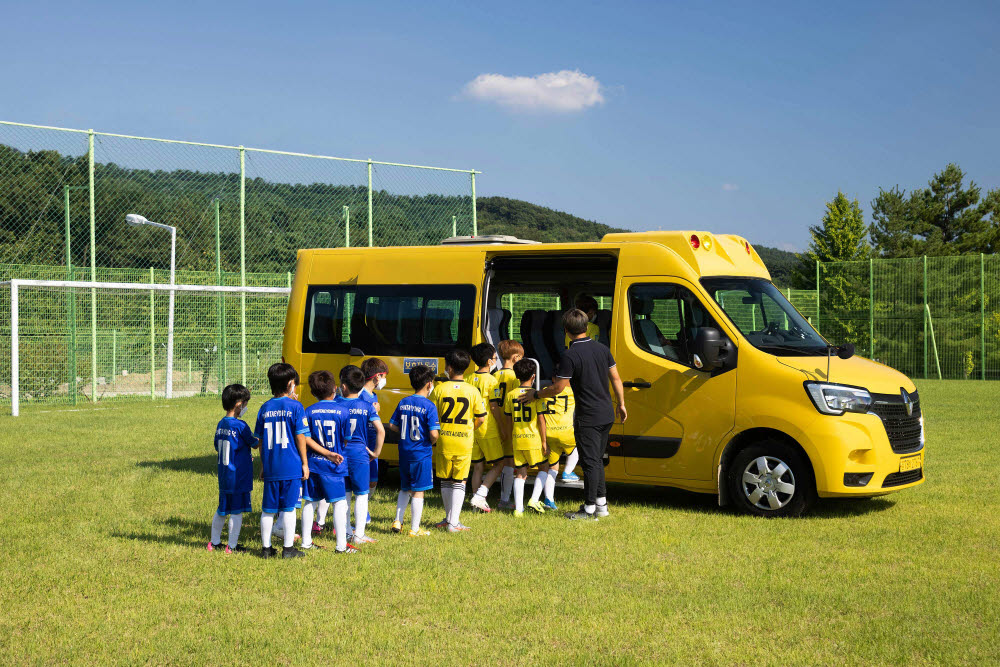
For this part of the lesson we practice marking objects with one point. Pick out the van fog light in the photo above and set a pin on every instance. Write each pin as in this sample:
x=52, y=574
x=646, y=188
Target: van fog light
x=857, y=478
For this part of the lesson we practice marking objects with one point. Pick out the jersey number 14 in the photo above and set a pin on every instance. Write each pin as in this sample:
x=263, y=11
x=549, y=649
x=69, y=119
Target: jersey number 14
x=277, y=433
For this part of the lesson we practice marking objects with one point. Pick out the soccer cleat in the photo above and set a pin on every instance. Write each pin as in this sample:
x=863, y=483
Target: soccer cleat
x=602, y=510
x=443, y=523
x=317, y=528
x=213, y=547
x=313, y=545
x=550, y=505
x=581, y=515
x=291, y=552
x=363, y=539
x=536, y=506
x=518, y=513
x=505, y=505
x=570, y=477
x=480, y=504
x=458, y=528
x=397, y=527
x=349, y=550
x=419, y=532
x=268, y=552
x=238, y=549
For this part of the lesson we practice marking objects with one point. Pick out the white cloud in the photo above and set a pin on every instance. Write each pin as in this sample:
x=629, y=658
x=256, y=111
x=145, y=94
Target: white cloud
x=790, y=247
x=730, y=187
x=564, y=91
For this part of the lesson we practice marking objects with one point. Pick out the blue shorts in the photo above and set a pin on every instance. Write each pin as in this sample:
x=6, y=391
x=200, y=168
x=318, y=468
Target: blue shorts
x=373, y=472
x=324, y=487
x=281, y=496
x=234, y=503
x=416, y=475
x=358, y=474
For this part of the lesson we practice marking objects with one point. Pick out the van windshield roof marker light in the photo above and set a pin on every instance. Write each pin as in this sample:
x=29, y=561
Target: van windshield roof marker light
x=695, y=241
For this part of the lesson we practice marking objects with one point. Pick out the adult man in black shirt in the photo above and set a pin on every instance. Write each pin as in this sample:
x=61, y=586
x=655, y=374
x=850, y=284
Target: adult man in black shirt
x=587, y=366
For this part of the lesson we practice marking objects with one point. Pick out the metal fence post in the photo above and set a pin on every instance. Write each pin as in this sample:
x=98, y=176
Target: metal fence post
x=71, y=311
x=347, y=226
x=220, y=300
x=871, y=307
x=93, y=270
x=475, y=227
x=817, y=295
x=152, y=338
x=114, y=357
x=243, y=267
x=454, y=225
x=369, y=202
x=926, y=310
x=15, y=364
x=982, y=316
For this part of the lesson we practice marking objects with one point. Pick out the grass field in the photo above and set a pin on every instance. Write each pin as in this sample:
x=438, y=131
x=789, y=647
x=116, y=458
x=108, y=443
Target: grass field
x=104, y=560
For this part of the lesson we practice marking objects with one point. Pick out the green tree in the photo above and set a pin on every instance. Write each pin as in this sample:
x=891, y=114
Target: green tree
x=840, y=237
x=945, y=218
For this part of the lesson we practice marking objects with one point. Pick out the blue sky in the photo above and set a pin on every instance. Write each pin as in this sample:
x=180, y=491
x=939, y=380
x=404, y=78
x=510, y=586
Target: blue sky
x=733, y=117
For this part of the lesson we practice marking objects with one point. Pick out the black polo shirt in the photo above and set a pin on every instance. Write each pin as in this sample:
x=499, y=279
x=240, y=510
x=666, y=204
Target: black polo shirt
x=585, y=364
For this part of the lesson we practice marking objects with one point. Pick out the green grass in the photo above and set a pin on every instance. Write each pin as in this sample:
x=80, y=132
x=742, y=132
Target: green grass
x=109, y=510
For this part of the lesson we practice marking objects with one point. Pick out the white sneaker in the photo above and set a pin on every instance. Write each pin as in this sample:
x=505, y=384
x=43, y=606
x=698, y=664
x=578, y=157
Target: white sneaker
x=602, y=510
x=480, y=503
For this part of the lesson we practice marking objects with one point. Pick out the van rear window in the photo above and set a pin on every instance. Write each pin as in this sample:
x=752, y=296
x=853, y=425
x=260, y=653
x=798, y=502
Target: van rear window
x=389, y=320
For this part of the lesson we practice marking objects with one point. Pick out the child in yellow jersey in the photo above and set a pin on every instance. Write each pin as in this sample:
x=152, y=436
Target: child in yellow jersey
x=588, y=304
x=461, y=410
x=488, y=447
x=560, y=437
x=526, y=422
x=510, y=353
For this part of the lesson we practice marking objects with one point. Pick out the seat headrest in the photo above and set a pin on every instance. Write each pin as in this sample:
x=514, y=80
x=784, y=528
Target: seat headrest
x=642, y=307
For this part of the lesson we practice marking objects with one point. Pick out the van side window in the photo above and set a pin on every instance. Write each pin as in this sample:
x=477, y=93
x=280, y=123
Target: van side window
x=665, y=319
x=327, y=320
x=413, y=320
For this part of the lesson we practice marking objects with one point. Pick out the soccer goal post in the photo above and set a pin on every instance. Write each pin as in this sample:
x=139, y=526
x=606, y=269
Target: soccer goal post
x=82, y=341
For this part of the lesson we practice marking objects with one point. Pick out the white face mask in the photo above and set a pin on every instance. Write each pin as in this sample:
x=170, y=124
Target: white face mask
x=380, y=384
x=242, y=412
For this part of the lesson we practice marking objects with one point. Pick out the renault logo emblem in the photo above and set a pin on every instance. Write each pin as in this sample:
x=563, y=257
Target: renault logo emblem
x=907, y=401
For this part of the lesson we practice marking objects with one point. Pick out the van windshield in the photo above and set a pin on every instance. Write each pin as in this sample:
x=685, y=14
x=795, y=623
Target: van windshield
x=765, y=317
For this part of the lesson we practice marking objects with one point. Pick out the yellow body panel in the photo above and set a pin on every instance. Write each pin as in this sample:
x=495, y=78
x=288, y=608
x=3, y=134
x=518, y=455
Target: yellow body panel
x=699, y=413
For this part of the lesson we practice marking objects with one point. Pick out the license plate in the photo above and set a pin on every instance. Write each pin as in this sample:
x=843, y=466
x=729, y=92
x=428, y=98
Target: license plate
x=910, y=463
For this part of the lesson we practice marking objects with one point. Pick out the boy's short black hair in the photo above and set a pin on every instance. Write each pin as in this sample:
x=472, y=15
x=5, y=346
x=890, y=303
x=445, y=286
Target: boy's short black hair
x=322, y=385
x=233, y=394
x=278, y=376
x=353, y=378
x=524, y=369
x=372, y=367
x=575, y=321
x=420, y=375
x=458, y=359
x=482, y=354
x=587, y=303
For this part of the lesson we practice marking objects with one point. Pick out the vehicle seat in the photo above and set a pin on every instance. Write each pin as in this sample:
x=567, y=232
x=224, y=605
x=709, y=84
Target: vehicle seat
x=555, y=335
x=505, y=324
x=533, y=339
x=604, y=325
x=437, y=326
x=645, y=331
x=494, y=319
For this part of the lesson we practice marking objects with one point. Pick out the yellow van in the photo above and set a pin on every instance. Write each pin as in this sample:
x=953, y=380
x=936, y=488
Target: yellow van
x=729, y=389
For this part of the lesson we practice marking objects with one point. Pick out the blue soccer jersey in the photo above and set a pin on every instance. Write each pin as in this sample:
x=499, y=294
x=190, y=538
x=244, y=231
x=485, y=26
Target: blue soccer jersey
x=233, y=441
x=371, y=398
x=360, y=413
x=416, y=416
x=278, y=422
x=328, y=426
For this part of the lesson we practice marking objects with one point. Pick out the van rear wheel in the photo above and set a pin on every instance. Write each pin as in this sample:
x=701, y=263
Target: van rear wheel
x=770, y=478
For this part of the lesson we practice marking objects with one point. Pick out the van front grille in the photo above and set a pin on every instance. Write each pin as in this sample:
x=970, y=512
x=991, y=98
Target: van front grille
x=901, y=478
x=902, y=429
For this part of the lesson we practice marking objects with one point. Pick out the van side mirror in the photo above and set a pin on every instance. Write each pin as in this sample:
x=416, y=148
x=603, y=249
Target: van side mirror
x=710, y=349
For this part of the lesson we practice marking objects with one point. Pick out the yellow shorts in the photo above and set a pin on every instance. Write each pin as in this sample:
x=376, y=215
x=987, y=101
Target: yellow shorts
x=528, y=457
x=451, y=466
x=488, y=449
x=508, y=448
x=560, y=446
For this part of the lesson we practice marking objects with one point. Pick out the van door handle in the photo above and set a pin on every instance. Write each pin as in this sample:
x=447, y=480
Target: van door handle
x=638, y=384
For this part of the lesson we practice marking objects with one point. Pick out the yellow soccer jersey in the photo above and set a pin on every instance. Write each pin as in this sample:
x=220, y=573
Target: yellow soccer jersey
x=506, y=383
x=593, y=331
x=559, y=413
x=486, y=384
x=525, y=417
x=458, y=404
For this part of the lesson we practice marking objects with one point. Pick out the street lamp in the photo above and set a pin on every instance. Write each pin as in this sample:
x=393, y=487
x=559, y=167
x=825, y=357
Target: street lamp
x=137, y=220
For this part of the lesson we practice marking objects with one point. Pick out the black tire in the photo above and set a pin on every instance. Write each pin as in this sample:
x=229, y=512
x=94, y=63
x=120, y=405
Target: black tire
x=774, y=498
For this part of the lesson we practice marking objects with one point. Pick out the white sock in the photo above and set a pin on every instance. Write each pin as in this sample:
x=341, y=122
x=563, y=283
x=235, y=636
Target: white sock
x=482, y=491
x=360, y=514
x=416, y=510
x=340, y=523
x=457, y=498
x=589, y=508
x=321, y=512
x=536, y=491
x=550, y=484
x=235, y=524
x=602, y=501
x=401, y=502
x=519, y=494
x=506, y=483
x=266, y=525
x=308, y=511
x=446, y=494
x=217, y=523
x=571, y=461
x=288, y=523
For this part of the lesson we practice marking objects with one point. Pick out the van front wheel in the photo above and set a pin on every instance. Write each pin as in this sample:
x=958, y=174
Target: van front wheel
x=770, y=478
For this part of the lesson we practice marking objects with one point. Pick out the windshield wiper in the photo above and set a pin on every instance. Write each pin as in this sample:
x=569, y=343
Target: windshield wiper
x=804, y=351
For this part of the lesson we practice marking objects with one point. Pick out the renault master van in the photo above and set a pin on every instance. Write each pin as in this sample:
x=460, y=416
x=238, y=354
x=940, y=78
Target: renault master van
x=729, y=389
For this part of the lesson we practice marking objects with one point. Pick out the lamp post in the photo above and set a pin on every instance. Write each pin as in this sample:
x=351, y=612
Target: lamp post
x=137, y=220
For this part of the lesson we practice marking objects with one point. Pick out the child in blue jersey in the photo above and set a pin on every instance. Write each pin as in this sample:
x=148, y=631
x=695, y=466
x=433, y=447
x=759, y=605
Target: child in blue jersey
x=233, y=441
x=283, y=429
x=416, y=422
x=358, y=451
x=376, y=375
x=328, y=426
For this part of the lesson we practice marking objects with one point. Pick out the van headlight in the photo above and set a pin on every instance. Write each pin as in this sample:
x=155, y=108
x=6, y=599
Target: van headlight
x=836, y=399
